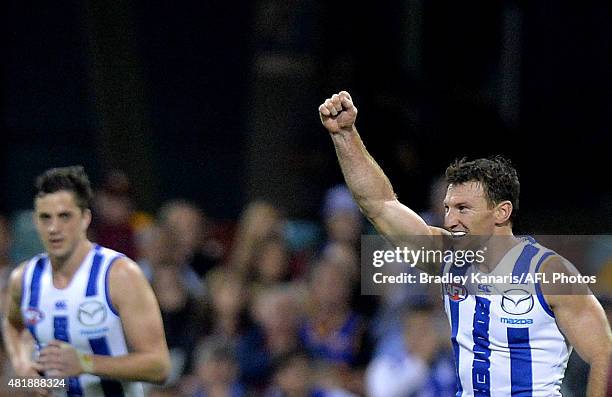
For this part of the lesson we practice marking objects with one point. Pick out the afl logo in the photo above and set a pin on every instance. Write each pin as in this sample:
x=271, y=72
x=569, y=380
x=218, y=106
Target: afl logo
x=91, y=313
x=517, y=302
x=456, y=292
x=32, y=316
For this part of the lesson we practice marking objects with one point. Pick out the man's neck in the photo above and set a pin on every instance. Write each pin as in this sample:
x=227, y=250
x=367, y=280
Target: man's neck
x=497, y=247
x=64, y=268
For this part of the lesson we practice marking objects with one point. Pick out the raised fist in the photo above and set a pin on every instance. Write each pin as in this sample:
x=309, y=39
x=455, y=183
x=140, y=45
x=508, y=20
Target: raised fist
x=338, y=113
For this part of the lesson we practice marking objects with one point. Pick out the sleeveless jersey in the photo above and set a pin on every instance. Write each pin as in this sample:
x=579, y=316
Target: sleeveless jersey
x=81, y=314
x=505, y=338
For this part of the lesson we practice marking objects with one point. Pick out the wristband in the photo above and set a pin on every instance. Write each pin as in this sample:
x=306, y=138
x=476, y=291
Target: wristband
x=86, y=361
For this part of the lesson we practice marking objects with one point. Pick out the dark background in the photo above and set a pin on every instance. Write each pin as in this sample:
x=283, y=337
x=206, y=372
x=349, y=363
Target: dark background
x=217, y=101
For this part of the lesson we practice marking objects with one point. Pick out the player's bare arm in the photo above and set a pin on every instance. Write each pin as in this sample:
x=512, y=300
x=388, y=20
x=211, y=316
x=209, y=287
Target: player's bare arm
x=364, y=177
x=137, y=306
x=583, y=322
x=18, y=343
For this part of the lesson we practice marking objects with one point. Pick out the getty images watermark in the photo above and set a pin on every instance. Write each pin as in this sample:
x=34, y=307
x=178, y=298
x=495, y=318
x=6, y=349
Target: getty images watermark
x=489, y=265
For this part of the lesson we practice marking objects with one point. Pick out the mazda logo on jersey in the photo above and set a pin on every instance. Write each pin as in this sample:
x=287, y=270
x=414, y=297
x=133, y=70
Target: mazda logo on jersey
x=456, y=292
x=517, y=301
x=91, y=313
x=32, y=316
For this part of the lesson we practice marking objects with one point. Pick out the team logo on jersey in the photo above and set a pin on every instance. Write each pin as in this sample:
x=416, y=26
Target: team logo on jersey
x=517, y=301
x=32, y=316
x=91, y=313
x=61, y=305
x=456, y=292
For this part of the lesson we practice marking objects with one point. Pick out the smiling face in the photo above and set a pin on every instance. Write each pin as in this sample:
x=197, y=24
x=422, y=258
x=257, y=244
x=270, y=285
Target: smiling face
x=61, y=223
x=468, y=211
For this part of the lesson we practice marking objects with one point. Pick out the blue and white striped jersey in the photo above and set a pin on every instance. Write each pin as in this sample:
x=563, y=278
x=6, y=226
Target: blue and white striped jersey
x=505, y=338
x=80, y=314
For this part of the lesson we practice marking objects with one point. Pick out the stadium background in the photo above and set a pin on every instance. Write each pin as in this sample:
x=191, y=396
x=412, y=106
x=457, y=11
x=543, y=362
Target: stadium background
x=216, y=103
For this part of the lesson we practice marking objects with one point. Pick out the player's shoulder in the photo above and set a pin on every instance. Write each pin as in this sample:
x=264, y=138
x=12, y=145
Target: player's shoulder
x=123, y=268
x=15, y=281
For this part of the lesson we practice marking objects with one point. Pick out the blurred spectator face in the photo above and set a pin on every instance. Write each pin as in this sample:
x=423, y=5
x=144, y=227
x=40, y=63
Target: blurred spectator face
x=182, y=225
x=272, y=262
x=185, y=223
x=330, y=285
x=113, y=209
x=344, y=227
x=342, y=216
x=422, y=334
x=294, y=377
x=112, y=203
x=216, y=364
x=259, y=220
x=343, y=255
x=217, y=371
x=277, y=311
x=227, y=294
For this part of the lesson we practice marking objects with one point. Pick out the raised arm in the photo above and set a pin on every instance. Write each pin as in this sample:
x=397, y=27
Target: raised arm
x=366, y=180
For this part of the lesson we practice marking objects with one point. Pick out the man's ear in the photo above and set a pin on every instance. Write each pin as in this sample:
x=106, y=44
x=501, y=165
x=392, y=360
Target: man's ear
x=502, y=212
x=86, y=218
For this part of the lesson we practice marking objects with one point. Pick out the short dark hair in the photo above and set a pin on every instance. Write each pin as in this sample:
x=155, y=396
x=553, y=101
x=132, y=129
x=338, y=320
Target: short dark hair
x=72, y=179
x=497, y=176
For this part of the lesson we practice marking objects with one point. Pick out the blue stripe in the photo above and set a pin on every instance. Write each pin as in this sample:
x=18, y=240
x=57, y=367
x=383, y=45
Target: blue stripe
x=523, y=262
x=92, y=283
x=111, y=388
x=481, y=379
x=454, y=312
x=539, y=293
x=520, y=362
x=35, y=284
x=60, y=332
x=106, y=285
x=35, y=293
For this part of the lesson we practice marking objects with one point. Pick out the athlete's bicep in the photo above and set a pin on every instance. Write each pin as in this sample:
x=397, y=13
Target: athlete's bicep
x=578, y=313
x=404, y=228
x=399, y=223
x=137, y=306
x=12, y=310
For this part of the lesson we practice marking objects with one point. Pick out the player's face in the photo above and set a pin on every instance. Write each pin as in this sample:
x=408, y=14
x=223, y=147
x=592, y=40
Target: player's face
x=61, y=224
x=467, y=210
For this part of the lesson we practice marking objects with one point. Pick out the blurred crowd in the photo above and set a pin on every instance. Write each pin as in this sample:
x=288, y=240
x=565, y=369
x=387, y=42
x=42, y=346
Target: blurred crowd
x=271, y=306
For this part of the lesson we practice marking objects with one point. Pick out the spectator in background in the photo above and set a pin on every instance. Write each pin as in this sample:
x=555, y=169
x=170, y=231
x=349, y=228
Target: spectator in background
x=227, y=317
x=342, y=218
x=182, y=225
x=333, y=334
x=217, y=370
x=276, y=313
x=258, y=221
x=182, y=315
x=294, y=377
x=270, y=263
x=113, y=209
x=421, y=365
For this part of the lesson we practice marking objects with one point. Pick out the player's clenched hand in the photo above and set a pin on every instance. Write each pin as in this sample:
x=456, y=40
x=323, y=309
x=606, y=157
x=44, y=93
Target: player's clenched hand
x=338, y=113
x=59, y=359
x=32, y=370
